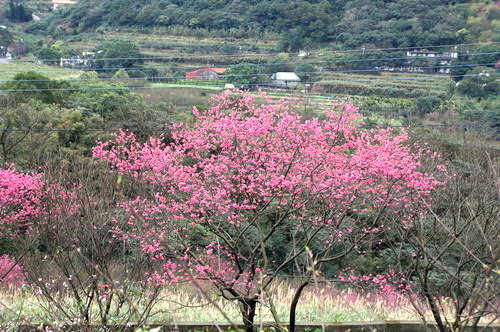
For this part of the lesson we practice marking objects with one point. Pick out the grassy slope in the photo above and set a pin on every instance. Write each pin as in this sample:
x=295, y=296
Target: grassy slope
x=9, y=70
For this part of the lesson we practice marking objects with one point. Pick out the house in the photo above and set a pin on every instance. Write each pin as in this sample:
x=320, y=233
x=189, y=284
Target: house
x=73, y=61
x=444, y=59
x=206, y=74
x=56, y=4
x=424, y=54
x=445, y=56
x=285, y=79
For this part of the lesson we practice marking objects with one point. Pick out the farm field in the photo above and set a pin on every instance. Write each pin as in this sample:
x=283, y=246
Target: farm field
x=9, y=70
x=161, y=44
x=410, y=85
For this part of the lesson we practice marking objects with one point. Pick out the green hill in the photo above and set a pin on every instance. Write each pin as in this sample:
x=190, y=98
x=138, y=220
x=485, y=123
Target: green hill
x=297, y=23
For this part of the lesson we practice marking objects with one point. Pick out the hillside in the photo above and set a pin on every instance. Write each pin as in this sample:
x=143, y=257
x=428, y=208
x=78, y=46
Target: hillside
x=307, y=23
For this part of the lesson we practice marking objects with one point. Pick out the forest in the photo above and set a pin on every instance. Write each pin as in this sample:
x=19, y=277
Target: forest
x=300, y=23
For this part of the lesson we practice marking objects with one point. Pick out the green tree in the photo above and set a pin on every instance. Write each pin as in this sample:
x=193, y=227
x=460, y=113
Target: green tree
x=480, y=82
x=6, y=37
x=32, y=85
x=426, y=104
x=15, y=11
x=24, y=142
x=462, y=34
x=246, y=74
x=121, y=74
x=49, y=55
x=305, y=71
x=461, y=67
x=116, y=55
x=486, y=55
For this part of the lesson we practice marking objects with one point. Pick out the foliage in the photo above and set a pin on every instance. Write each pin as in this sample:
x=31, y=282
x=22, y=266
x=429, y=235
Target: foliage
x=486, y=55
x=479, y=82
x=484, y=111
x=6, y=37
x=426, y=104
x=115, y=55
x=121, y=74
x=109, y=100
x=300, y=23
x=305, y=71
x=246, y=74
x=27, y=140
x=16, y=12
x=32, y=85
x=48, y=55
x=251, y=191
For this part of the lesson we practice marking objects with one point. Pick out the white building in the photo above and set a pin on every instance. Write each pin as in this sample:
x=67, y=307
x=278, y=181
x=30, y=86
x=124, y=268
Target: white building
x=285, y=79
x=56, y=4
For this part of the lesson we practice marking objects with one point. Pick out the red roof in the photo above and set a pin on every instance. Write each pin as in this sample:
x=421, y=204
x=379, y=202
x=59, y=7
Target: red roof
x=197, y=73
x=219, y=70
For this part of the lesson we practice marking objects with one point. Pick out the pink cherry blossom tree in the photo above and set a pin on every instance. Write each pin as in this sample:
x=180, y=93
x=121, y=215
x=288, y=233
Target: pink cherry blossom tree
x=253, y=191
x=60, y=243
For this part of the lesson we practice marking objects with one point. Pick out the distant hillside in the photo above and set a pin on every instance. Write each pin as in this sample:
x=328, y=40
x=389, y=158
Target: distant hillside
x=300, y=23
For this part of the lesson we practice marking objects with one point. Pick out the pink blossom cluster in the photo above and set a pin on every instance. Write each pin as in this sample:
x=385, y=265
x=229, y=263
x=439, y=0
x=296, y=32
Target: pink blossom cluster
x=392, y=286
x=26, y=201
x=11, y=273
x=244, y=159
x=20, y=200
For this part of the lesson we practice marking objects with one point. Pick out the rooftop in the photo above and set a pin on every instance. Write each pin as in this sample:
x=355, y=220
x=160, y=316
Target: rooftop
x=286, y=76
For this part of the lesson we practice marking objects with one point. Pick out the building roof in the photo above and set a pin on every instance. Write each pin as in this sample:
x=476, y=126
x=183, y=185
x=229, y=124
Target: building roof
x=218, y=70
x=197, y=72
x=66, y=2
x=286, y=76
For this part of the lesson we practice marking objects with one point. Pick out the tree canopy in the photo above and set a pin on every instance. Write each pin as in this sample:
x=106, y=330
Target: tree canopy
x=119, y=54
x=400, y=23
x=251, y=191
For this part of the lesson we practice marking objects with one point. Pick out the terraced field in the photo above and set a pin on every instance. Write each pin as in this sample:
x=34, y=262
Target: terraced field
x=399, y=85
x=157, y=43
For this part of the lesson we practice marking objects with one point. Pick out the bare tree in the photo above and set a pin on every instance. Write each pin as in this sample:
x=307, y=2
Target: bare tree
x=452, y=253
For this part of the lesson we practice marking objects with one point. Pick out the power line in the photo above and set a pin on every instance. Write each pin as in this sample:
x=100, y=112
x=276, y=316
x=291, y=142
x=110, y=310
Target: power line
x=366, y=50
x=408, y=48
x=409, y=78
x=262, y=64
x=247, y=75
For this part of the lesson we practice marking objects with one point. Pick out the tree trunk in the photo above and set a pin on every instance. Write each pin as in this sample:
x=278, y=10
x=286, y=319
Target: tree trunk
x=432, y=304
x=293, y=305
x=248, y=308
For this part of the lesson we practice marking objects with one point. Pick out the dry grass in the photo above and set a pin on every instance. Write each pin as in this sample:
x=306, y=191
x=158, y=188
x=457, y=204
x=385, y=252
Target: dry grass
x=185, y=304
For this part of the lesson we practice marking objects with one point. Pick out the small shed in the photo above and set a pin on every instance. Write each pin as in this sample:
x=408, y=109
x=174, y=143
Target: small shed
x=206, y=74
x=285, y=79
